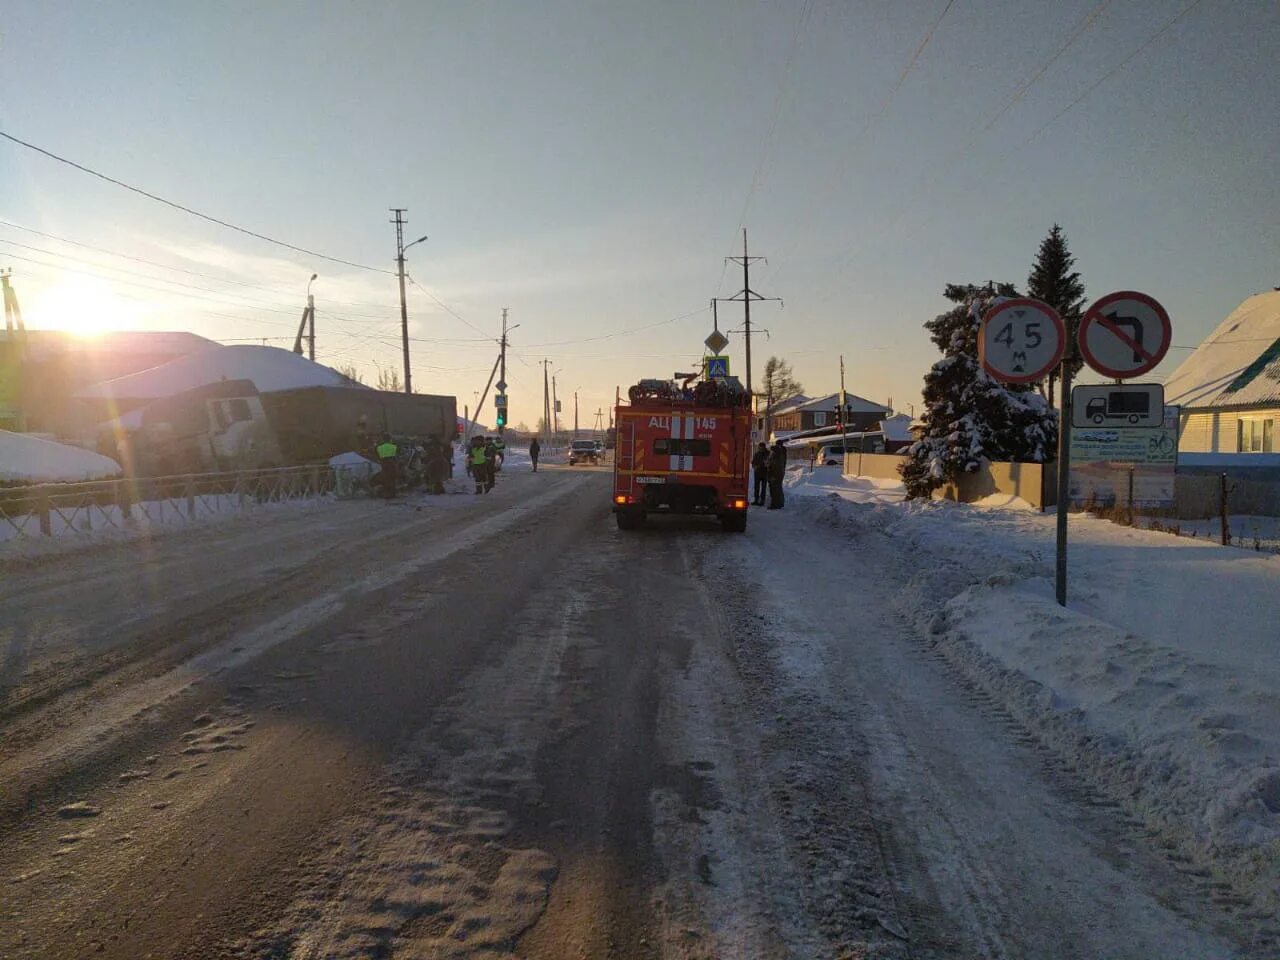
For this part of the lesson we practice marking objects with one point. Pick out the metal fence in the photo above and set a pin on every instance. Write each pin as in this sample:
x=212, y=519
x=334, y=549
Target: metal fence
x=57, y=509
x=1234, y=509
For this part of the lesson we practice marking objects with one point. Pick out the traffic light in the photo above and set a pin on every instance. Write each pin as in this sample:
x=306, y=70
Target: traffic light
x=502, y=416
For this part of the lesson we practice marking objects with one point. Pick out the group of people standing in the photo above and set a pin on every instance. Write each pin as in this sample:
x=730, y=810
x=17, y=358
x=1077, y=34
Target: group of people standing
x=770, y=466
x=432, y=462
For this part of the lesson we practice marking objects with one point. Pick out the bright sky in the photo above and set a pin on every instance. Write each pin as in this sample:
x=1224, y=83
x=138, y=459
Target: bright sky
x=589, y=165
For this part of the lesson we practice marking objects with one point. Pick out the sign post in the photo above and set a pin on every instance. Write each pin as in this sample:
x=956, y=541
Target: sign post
x=1064, y=480
x=717, y=368
x=1021, y=341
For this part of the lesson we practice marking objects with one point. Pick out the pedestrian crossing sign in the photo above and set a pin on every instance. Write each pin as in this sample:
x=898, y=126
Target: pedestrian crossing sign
x=717, y=368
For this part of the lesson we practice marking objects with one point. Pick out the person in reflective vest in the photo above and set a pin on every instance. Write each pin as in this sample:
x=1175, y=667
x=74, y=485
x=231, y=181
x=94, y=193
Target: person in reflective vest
x=479, y=460
x=388, y=466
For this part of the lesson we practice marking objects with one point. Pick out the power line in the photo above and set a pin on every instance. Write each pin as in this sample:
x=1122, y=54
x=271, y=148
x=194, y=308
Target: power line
x=192, y=273
x=94, y=269
x=445, y=307
x=620, y=333
x=872, y=119
x=1113, y=71
x=188, y=210
x=930, y=176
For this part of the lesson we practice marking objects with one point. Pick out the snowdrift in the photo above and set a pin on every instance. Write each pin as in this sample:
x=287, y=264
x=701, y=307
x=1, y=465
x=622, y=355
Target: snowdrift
x=1156, y=684
x=270, y=369
x=26, y=459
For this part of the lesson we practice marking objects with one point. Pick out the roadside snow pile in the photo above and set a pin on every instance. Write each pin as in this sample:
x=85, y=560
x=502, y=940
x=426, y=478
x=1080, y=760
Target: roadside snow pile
x=828, y=481
x=1159, y=681
x=25, y=459
x=270, y=369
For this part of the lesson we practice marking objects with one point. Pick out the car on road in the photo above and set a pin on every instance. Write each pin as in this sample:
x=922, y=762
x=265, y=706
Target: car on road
x=583, y=451
x=832, y=454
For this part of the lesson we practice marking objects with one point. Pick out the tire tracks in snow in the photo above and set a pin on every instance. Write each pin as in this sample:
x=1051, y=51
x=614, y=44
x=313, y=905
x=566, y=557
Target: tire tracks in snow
x=104, y=723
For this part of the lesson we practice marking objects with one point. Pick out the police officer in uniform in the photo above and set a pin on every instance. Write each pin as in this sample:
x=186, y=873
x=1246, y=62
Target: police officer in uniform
x=478, y=461
x=387, y=453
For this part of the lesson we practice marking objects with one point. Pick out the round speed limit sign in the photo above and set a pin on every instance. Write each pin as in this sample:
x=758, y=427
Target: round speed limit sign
x=1021, y=340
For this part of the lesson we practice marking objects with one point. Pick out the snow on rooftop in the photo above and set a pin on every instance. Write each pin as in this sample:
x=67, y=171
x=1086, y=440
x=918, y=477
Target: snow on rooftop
x=855, y=403
x=27, y=459
x=896, y=428
x=46, y=344
x=1237, y=364
x=270, y=369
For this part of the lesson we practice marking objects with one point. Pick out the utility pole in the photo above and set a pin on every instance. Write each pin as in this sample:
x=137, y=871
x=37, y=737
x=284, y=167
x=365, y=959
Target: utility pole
x=307, y=327
x=12, y=312
x=546, y=402
x=12, y=392
x=399, y=221
x=401, y=247
x=746, y=295
x=555, y=408
x=575, y=414
x=502, y=375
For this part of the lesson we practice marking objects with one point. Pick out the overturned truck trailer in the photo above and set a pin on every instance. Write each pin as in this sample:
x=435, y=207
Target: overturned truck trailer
x=314, y=423
x=231, y=426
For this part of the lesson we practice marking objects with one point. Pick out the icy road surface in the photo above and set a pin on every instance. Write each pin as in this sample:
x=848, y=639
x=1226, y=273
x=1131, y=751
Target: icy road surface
x=476, y=727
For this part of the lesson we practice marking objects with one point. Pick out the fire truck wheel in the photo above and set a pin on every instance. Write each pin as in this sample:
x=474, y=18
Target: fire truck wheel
x=734, y=523
x=627, y=520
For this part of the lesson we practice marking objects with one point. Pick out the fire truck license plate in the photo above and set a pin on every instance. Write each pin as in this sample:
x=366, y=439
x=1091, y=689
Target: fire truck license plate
x=651, y=479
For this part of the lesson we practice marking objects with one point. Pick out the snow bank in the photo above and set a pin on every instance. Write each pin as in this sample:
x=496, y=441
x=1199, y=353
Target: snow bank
x=270, y=369
x=26, y=459
x=828, y=481
x=1158, y=682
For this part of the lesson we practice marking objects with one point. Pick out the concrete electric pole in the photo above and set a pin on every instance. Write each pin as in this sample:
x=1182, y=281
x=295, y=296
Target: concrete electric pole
x=307, y=327
x=400, y=221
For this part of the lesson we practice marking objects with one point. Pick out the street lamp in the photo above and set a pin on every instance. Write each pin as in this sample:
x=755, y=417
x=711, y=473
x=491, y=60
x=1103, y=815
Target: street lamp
x=308, y=325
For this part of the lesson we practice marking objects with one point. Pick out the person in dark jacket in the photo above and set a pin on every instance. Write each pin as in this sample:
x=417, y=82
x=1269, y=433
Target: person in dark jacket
x=535, y=448
x=777, y=470
x=760, y=464
x=437, y=468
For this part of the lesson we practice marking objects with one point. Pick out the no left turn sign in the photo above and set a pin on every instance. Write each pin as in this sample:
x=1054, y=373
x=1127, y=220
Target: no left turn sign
x=1125, y=334
x=1021, y=340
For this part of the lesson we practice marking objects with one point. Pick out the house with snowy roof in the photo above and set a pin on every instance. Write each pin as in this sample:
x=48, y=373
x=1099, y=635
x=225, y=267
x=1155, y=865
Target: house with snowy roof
x=1229, y=388
x=799, y=417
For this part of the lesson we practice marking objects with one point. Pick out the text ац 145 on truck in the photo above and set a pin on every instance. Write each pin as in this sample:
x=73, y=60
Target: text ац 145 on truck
x=683, y=447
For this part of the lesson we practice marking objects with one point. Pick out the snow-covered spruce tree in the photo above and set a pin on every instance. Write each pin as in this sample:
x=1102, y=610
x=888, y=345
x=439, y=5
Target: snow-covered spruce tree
x=968, y=416
x=1053, y=281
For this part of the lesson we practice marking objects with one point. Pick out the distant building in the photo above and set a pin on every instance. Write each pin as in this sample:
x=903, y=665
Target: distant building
x=1229, y=388
x=805, y=414
x=897, y=433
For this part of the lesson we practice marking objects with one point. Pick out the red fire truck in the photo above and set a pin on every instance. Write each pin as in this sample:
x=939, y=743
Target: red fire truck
x=683, y=447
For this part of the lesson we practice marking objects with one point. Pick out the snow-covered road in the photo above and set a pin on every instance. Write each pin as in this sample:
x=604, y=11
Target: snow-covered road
x=499, y=726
